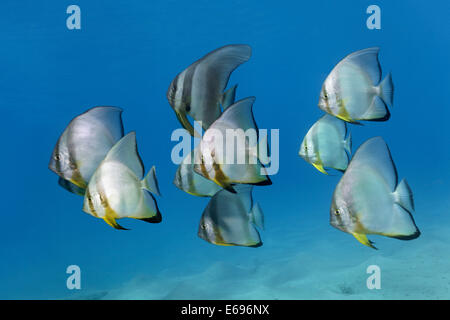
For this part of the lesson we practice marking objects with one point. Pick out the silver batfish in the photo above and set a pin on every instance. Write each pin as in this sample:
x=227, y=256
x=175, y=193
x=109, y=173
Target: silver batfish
x=353, y=91
x=84, y=144
x=239, y=165
x=230, y=219
x=189, y=181
x=198, y=91
x=117, y=188
x=326, y=146
x=369, y=200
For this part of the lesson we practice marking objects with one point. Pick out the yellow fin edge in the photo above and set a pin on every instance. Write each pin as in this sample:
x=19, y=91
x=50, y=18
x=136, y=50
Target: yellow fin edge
x=320, y=168
x=362, y=238
x=113, y=223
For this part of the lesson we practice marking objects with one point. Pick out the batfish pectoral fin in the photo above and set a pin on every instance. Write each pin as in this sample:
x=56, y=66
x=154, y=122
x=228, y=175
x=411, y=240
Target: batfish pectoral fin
x=113, y=223
x=319, y=167
x=363, y=239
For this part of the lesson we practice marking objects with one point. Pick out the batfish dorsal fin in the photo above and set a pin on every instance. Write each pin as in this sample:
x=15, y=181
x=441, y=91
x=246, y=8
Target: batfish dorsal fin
x=109, y=117
x=366, y=59
x=125, y=151
x=239, y=115
x=245, y=193
x=375, y=154
x=225, y=60
x=337, y=123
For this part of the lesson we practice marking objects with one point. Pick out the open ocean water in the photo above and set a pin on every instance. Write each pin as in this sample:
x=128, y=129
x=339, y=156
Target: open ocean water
x=126, y=54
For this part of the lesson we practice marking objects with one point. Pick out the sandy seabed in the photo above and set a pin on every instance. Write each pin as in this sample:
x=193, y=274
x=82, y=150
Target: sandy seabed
x=303, y=267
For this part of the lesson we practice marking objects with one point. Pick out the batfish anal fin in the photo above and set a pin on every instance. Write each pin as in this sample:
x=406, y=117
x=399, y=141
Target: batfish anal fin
x=113, y=223
x=320, y=167
x=363, y=239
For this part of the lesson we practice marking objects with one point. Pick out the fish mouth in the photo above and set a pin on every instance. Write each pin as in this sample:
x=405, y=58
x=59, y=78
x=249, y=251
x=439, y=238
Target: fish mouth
x=53, y=168
x=186, y=124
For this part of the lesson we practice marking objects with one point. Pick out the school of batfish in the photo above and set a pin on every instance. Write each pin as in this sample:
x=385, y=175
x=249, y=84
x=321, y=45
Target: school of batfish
x=93, y=158
x=368, y=198
x=231, y=217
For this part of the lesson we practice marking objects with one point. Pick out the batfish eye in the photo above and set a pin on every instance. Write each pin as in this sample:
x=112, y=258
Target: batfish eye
x=203, y=226
x=57, y=157
x=336, y=212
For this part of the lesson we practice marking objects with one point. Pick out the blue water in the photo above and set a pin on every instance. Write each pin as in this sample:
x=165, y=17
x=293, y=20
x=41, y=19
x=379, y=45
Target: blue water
x=126, y=54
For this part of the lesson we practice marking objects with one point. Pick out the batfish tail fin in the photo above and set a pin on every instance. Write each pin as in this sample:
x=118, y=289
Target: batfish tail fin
x=403, y=196
x=386, y=90
x=150, y=182
x=377, y=111
x=348, y=143
x=257, y=216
